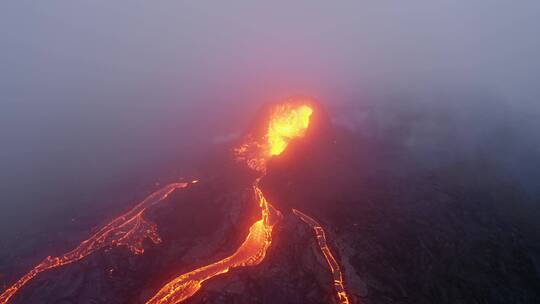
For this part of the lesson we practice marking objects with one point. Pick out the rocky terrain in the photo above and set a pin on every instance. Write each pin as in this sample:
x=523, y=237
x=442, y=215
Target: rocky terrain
x=452, y=235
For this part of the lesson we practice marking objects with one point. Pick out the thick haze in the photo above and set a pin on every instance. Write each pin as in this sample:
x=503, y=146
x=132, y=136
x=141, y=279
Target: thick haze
x=95, y=95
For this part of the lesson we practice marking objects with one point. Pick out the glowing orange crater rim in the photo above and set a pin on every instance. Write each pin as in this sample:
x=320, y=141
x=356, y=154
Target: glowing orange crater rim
x=287, y=122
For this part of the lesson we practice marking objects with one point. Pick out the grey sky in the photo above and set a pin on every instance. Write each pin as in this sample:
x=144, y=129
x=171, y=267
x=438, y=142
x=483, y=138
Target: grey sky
x=327, y=48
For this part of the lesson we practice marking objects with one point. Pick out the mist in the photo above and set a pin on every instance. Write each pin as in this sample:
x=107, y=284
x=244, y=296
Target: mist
x=101, y=97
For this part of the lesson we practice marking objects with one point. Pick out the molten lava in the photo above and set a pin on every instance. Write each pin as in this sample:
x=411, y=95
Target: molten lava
x=330, y=259
x=288, y=122
x=251, y=252
x=129, y=229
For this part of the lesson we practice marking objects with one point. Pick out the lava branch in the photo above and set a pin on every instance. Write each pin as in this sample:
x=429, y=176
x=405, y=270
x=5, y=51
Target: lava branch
x=341, y=294
x=129, y=229
x=251, y=252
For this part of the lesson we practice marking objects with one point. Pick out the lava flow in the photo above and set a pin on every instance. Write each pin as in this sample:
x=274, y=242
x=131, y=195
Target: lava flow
x=251, y=252
x=129, y=229
x=330, y=259
x=287, y=122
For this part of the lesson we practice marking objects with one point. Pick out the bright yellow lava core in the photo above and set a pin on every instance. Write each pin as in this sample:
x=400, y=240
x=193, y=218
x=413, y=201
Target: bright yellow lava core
x=287, y=122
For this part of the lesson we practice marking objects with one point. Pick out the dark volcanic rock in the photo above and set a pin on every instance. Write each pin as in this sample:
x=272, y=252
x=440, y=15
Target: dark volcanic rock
x=401, y=235
x=446, y=236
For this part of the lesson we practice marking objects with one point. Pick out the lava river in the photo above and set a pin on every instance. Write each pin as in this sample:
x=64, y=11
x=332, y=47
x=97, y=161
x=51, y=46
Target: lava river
x=330, y=259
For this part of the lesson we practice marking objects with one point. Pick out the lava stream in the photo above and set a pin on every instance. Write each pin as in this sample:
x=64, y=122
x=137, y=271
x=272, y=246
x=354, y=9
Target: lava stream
x=250, y=253
x=332, y=262
x=129, y=229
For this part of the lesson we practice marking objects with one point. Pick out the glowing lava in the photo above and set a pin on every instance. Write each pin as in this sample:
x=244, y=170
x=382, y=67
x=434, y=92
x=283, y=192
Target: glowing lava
x=129, y=229
x=332, y=262
x=286, y=123
x=250, y=253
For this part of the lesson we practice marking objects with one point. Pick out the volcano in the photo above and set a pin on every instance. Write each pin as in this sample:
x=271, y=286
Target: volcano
x=298, y=211
x=279, y=127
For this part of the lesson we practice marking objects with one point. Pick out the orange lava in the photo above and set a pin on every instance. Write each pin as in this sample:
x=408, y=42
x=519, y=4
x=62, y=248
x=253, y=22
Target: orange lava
x=250, y=253
x=330, y=259
x=129, y=229
x=286, y=123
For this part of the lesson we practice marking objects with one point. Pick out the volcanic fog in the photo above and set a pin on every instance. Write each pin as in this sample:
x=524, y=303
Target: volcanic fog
x=422, y=163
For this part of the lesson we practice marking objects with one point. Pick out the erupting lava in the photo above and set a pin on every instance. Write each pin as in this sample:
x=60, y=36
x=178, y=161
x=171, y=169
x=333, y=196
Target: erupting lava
x=332, y=262
x=129, y=229
x=287, y=122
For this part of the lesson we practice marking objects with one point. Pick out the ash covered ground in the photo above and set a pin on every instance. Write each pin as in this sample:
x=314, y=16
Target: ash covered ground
x=459, y=232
